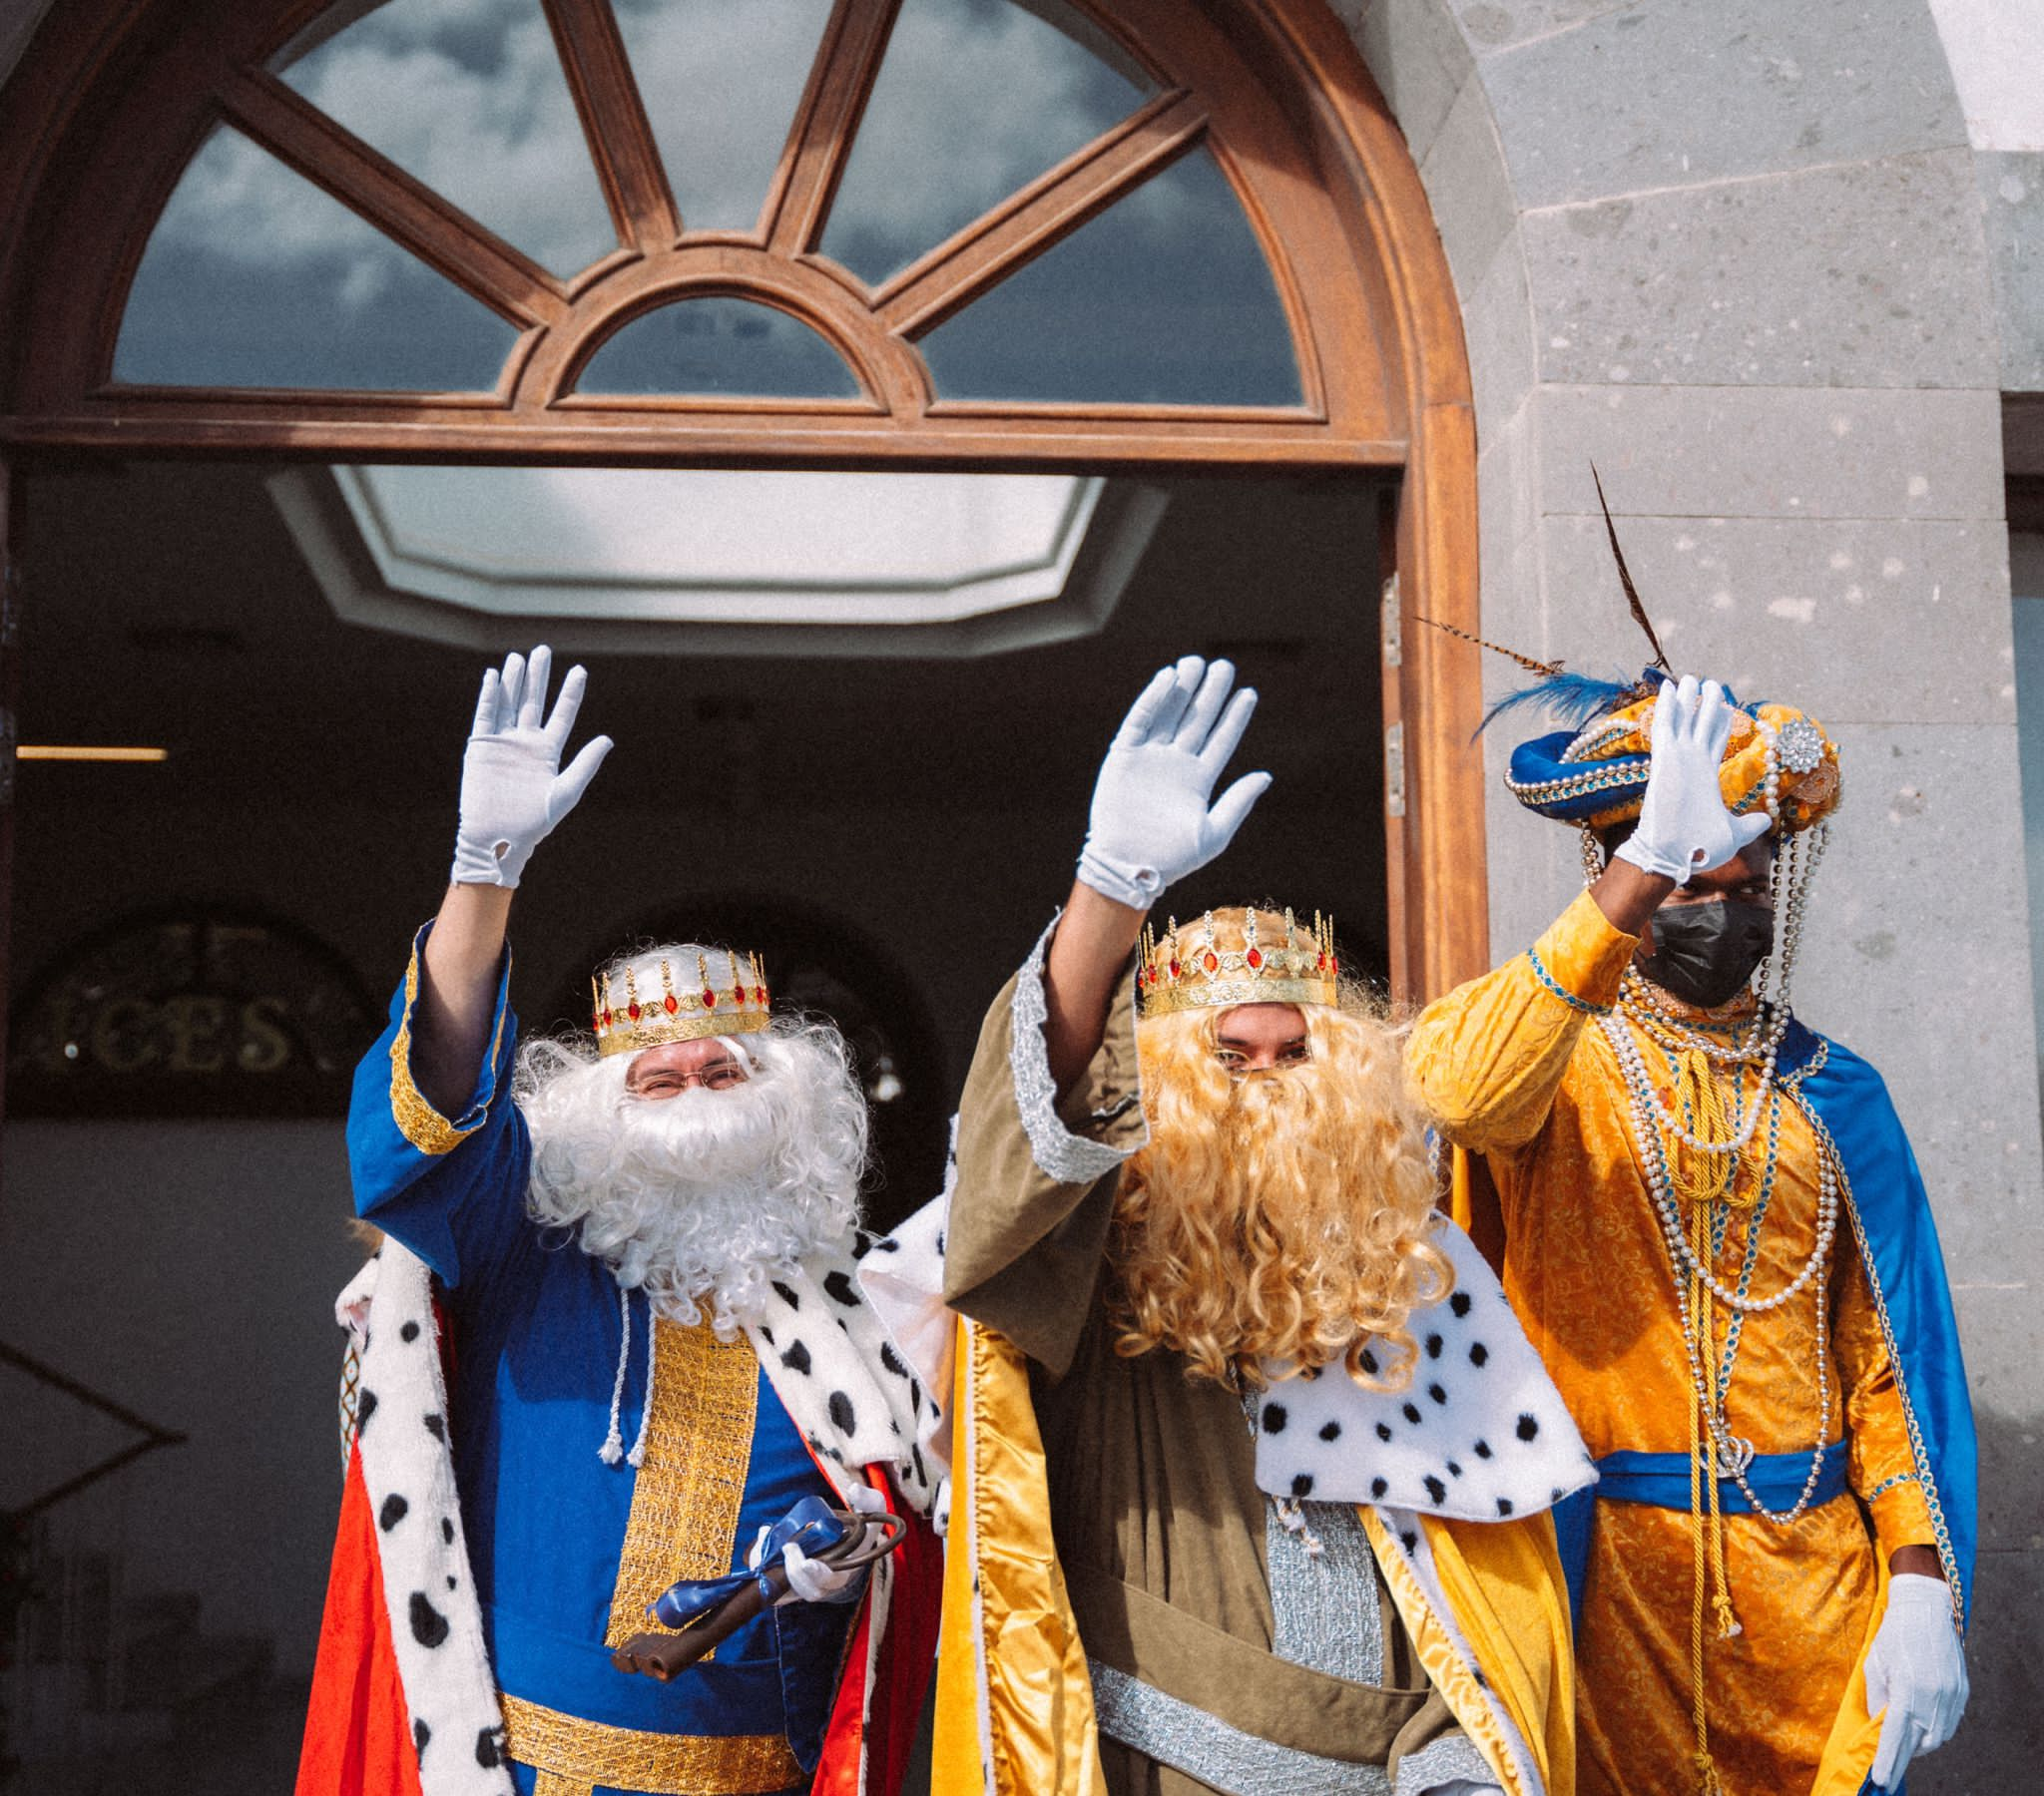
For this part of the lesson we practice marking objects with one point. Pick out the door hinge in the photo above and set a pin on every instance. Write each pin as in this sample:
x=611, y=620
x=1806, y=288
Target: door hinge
x=1394, y=771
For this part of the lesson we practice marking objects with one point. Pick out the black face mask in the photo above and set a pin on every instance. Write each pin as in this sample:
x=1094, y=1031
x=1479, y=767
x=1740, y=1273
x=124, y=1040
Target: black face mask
x=1704, y=954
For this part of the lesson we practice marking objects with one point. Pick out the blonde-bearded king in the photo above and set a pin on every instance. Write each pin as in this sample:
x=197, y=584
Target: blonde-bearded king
x=1282, y=1214
x=1249, y=1458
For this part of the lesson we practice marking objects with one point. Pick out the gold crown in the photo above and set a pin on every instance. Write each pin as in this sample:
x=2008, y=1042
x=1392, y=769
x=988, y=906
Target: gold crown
x=629, y=1022
x=1196, y=968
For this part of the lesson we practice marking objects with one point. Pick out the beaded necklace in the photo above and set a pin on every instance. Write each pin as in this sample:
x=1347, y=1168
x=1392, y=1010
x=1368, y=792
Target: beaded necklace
x=1717, y=1131
x=1697, y=1283
x=1659, y=1126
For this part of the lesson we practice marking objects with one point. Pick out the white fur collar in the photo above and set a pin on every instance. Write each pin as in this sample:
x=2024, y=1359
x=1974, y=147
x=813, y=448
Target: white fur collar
x=855, y=1399
x=1480, y=1433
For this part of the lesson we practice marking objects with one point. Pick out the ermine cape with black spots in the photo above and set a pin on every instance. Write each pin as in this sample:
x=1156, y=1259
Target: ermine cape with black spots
x=538, y=1456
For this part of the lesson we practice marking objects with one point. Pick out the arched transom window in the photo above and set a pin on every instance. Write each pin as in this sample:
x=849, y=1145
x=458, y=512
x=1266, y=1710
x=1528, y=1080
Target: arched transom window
x=889, y=223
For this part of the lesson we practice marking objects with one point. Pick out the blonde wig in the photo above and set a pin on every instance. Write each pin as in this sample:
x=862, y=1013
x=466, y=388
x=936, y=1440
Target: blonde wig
x=1281, y=1213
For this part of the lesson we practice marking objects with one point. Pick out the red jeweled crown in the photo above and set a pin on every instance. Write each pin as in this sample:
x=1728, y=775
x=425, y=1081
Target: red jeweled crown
x=1237, y=956
x=637, y=1007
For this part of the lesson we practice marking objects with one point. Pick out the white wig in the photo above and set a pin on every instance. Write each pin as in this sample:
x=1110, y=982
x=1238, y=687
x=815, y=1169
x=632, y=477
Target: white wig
x=705, y=1197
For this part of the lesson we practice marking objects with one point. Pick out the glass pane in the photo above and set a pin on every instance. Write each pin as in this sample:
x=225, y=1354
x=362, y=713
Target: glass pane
x=255, y=277
x=466, y=96
x=718, y=345
x=720, y=78
x=975, y=98
x=1165, y=298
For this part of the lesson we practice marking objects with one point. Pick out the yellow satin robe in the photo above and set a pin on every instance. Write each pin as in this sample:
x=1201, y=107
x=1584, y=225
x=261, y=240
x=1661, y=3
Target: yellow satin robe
x=1517, y=1075
x=1014, y=1705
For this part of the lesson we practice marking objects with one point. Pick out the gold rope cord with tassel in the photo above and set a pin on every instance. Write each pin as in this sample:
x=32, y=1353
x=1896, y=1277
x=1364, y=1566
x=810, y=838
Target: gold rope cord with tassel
x=1710, y=1115
x=1702, y=1472
x=1702, y=1177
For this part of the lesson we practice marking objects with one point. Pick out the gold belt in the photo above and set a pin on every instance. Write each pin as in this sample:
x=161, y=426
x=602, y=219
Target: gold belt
x=572, y=1757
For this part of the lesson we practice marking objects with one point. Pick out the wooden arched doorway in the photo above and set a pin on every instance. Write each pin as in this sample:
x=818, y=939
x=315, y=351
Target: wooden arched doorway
x=116, y=105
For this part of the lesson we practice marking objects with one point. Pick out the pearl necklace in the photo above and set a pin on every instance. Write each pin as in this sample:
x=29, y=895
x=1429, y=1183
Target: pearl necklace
x=1732, y=1454
x=1672, y=1040
x=1649, y=1118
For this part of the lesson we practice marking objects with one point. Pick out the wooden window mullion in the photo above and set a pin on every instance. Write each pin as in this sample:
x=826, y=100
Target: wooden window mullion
x=412, y=214
x=956, y=272
x=621, y=141
x=819, y=141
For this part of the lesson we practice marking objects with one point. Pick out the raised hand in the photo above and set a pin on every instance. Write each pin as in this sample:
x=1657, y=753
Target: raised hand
x=1683, y=825
x=1151, y=823
x=513, y=788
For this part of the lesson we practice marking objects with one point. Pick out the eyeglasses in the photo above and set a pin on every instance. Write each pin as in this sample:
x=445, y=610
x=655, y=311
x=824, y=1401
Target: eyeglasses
x=718, y=1075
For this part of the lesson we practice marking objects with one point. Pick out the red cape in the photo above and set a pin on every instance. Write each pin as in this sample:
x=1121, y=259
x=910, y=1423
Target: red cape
x=358, y=1731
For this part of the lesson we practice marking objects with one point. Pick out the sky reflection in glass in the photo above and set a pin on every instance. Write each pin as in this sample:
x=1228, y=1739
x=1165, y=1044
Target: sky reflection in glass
x=975, y=98
x=469, y=99
x=1165, y=298
x=718, y=345
x=719, y=79
x=255, y=277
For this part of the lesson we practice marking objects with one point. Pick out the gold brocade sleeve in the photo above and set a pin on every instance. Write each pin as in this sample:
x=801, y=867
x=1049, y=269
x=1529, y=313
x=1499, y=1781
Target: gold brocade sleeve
x=419, y=1123
x=1880, y=1468
x=1489, y=1058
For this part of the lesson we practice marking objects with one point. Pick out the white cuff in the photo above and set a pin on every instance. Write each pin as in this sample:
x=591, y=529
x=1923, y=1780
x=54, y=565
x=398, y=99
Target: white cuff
x=1059, y=1154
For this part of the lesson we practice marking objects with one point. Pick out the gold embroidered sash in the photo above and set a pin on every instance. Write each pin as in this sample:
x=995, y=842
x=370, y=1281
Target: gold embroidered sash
x=574, y=1757
x=698, y=1447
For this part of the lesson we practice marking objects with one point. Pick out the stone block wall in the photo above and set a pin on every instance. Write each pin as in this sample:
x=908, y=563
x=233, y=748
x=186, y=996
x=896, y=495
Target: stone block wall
x=1745, y=261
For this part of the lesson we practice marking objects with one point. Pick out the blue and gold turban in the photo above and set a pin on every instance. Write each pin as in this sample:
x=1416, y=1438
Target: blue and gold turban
x=1776, y=759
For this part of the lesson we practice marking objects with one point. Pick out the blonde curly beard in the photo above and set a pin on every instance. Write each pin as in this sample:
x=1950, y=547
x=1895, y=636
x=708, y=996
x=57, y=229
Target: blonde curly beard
x=1283, y=1214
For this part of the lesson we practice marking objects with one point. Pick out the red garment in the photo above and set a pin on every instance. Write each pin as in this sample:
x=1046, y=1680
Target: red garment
x=908, y=1655
x=357, y=1729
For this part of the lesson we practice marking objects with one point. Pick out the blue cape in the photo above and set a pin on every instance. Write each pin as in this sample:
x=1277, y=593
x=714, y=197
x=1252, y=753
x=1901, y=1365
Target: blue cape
x=1905, y=1267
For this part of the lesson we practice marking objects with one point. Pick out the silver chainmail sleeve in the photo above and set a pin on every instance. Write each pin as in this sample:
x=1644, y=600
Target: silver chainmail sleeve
x=1450, y=1759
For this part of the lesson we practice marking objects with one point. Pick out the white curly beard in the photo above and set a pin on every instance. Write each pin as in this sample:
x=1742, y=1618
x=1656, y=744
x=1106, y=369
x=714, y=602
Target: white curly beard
x=703, y=1199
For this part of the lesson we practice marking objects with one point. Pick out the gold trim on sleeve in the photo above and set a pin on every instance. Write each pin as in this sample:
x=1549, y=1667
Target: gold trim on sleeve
x=572, y=1757
x=698, y=1448
x=419, y=1123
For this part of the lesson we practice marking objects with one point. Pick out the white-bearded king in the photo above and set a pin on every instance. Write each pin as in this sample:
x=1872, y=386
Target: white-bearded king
x=1251, y=1460
x=614, y=1335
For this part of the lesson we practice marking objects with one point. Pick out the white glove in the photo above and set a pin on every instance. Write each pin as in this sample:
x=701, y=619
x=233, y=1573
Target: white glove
x=1684, y=827
x=1151, y=823
x=1916, y=1670
x=863, y=1500
x=808, y=1580
x=513, y=790
x=352, y=1307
